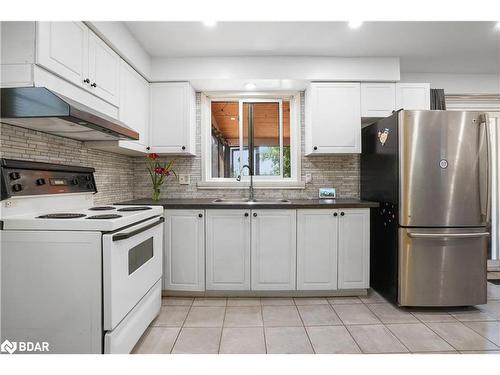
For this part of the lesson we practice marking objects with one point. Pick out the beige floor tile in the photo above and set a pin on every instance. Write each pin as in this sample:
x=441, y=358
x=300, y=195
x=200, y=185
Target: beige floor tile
x=171, y=316
x=446, y=352
x=343, y=300
x=197, y=341
x=209, y=302
x=373, y=297
x=418, y=338
x=433, y=316
x=287, y=340
x=157, y=340
x=491, y=308
x=355, y=314
x=318, y=315
x=269, y=301
x=493, y=292
x=243, y=316
x=206, y=316
x=376, y=339
x=490, y=330
x=310, y=301
x=480, y=351
x=332, y=340
x=461, y=337
x=177, y=301
x=243, y=302
x=248, y=340
x=389, y=313
x=281, y=316
x=472, y=316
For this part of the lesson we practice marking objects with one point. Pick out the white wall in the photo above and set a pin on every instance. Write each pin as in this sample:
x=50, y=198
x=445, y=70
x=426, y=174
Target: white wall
x=276, y=68
x=118, y=36
x=458, y=83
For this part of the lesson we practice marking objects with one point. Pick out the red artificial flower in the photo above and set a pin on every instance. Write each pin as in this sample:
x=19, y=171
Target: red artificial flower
x=153, y=156
x=159, y=170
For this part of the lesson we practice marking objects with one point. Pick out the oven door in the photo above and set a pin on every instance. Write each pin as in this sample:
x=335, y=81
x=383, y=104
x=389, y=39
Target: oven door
x=132, y=264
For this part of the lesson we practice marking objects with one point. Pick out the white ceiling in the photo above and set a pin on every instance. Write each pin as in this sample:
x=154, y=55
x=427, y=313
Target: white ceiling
x=440, y=47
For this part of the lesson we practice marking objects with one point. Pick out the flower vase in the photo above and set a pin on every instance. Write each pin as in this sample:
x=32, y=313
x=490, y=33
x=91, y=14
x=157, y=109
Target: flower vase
x=156, y=194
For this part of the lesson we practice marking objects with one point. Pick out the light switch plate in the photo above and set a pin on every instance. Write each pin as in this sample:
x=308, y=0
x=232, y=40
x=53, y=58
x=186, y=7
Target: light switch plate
x=184, y=179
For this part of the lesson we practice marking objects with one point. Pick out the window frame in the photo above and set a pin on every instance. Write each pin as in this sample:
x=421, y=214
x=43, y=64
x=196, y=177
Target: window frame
x=268, y=182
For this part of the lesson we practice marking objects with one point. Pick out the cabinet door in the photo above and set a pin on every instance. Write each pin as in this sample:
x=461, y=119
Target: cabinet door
x=354, y=248
x=416, y=96
x=333, y=118
x=104, y=67
x=317, y=241
x=134, y=102
x=228, y=250
x=62, y=48
x=173, y=118
x=378, y=99
x=273, y=249
x=184, y=260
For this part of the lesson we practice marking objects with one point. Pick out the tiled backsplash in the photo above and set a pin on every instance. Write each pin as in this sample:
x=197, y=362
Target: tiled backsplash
x=114, y=173
x=121, y=177
x=339, y=171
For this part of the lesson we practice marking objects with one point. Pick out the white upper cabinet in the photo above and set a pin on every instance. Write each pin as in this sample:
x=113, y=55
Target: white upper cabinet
x=273, y=244
x=317, y=244
x=104, y=68
x=73, y=52
x=354, y=248
x=134, y=104
x=228, y=250
x=184, y=250
x=173, y=118
x=333, y=118
x=378, y=99
x=62, y=47
x=415, y=96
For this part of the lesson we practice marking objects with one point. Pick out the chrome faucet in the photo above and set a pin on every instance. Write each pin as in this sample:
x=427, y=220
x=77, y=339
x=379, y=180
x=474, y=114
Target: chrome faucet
x=251, y=180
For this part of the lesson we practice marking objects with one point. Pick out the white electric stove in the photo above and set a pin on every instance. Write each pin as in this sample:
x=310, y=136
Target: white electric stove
x=79, y=277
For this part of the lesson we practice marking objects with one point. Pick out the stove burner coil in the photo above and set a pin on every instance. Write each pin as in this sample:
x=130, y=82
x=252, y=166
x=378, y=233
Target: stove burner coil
x=138, y=208
x=105, y=216
x=61, y=216
x=102, y=208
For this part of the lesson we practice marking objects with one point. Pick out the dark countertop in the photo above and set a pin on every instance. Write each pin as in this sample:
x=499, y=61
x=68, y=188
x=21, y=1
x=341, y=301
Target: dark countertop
x=206, y=203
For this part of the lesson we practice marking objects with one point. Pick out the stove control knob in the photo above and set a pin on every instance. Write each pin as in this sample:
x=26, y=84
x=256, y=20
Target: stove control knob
x=17, y=187
x=40, y=181
x=74, y=181
x=90, y=186
x=87, y=178
x=14, y=175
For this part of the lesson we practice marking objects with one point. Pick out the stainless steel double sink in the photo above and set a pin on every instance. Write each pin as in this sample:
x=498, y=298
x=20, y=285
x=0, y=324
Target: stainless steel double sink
x=250, y=201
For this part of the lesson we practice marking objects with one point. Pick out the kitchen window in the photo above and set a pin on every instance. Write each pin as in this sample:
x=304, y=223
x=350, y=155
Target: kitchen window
x=261, y=132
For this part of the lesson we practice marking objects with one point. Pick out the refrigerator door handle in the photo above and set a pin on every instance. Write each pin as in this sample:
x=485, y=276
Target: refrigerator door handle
x=486, y=190
x=451, y=235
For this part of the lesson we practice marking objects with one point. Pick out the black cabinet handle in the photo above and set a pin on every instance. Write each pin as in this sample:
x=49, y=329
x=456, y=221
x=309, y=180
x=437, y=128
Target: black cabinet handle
x=335, y=214
x=255, y=214
x=315, y=148
x=183, y=148
x=200, y=215
x=246, y=214
x=93, y=84
x=86, y=80
x=341, y=214
x=148, y=148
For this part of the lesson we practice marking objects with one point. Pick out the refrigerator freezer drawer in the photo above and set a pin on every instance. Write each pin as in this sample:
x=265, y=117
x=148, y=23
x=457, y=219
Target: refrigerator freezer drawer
x=442, y=266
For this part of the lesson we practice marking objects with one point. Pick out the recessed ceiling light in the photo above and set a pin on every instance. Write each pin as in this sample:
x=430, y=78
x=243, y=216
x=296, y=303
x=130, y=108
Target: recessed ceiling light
x=210, y=23
x=250, y=86
x=355, y=24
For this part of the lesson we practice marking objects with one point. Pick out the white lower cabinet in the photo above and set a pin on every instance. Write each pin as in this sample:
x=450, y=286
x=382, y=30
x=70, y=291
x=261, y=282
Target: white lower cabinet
x=184, y=246
x=273, y=244
x=317, y=249
x=228, y=249
x=354, y=248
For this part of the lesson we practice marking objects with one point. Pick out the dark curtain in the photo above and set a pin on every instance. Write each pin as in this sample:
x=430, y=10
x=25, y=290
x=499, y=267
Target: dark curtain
x=437, y=99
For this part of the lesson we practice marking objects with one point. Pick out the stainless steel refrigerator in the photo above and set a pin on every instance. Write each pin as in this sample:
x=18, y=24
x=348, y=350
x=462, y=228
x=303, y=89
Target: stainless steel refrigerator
x=429, y=238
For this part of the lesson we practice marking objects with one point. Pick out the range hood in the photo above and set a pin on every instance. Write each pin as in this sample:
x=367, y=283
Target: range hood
x=40, y=109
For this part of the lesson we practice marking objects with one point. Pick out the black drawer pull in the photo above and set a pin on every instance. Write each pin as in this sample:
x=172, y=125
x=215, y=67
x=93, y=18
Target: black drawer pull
x=255, y=214
x=124, y=236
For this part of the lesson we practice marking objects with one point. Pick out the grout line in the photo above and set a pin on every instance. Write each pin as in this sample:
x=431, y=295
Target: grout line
x=263, y=326
x=222, y=327
x=304, y=327
x=182, y=326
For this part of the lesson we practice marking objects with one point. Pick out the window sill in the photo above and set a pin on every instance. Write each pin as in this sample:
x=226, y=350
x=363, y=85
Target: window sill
x=257, y=185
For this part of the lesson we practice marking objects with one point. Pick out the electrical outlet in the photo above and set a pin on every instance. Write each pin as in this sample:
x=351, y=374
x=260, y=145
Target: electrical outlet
x=308, y=178
x=184, y=179
x=9, y=203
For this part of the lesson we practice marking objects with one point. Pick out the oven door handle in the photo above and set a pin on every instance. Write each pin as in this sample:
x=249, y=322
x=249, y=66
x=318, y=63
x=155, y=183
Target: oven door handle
x=451, y=235
x=125, y=235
